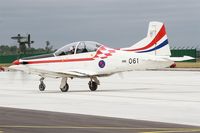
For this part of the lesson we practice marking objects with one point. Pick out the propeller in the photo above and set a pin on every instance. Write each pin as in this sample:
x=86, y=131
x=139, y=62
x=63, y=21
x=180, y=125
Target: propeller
x=121, y=75
x=17, y=75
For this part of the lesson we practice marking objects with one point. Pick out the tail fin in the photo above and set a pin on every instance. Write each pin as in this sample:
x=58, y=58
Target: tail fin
x=155, y=43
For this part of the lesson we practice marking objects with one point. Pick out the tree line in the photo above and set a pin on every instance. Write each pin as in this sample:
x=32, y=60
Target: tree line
x=11, y=50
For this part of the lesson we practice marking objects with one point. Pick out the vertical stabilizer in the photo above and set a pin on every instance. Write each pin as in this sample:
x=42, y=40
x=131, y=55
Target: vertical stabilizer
x=155, y=43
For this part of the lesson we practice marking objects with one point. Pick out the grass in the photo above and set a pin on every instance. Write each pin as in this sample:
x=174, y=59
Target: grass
x=5, y=65
x=188, y=64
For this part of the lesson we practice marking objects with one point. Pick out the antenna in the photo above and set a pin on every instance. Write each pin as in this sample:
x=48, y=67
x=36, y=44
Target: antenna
x=23, y=40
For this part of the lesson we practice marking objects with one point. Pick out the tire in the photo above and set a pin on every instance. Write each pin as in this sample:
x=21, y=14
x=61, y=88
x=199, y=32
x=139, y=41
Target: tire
x=42, y=86
x=92, y=85
x=65, y=88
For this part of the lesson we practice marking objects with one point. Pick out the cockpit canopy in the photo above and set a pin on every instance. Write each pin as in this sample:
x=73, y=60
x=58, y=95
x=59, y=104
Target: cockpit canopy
x=78, y=47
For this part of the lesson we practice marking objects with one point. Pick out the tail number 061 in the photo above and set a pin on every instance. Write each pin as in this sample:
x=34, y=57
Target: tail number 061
x=133, y=61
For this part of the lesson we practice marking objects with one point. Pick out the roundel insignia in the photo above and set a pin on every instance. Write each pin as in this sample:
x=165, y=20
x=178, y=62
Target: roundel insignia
x=102, y=63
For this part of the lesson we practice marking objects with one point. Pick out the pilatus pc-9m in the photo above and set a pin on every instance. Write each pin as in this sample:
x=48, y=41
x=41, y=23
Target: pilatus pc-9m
x=88, y=59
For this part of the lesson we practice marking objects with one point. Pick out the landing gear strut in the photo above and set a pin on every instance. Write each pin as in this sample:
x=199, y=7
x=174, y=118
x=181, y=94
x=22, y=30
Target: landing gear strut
x=64, y=87
x=42, y=86
x=93, y=83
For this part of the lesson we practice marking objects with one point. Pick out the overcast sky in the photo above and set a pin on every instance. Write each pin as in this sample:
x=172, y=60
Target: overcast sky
x=116, y=23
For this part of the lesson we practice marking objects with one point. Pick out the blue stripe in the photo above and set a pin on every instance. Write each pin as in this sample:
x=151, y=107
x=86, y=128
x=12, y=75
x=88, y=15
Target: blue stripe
x=156, y=48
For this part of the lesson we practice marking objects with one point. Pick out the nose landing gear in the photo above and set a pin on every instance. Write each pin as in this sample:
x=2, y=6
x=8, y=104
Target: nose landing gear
x=42, y=86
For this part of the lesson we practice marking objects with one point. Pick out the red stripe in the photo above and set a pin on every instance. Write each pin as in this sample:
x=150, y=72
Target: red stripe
x=102, y=48
x=99, y=52
x=108, y=54
x=103, y=57
x=111, y=51
x=160, y=34
x=56, y=61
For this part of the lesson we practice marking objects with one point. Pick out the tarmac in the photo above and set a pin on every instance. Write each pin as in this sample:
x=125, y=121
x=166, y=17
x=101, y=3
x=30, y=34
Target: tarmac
x=160, y=96
x=31, y=121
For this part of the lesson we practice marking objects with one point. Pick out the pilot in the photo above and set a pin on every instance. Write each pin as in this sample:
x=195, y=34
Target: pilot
x=84, y=50
x=62, y=53
x=72, y=50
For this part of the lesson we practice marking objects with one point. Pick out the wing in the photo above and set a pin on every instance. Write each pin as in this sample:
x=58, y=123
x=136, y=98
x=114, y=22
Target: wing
x=54, y=74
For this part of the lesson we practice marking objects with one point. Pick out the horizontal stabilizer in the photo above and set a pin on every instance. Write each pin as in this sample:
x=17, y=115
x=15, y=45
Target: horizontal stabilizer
x=184, y=58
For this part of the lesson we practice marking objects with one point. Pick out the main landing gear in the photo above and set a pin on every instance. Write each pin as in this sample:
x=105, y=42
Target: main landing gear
x=64, y=87
x=93, y=83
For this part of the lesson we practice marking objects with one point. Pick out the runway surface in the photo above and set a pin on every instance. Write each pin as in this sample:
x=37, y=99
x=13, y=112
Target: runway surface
x=31, y=121
x=163, y=96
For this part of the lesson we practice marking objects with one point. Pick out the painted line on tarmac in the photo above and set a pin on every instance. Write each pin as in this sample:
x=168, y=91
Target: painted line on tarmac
x=145, y=130
x=183, y=130
x=75, y=127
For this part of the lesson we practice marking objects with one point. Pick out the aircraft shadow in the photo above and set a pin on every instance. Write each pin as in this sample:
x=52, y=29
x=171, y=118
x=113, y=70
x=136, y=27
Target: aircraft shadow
x=107, y=90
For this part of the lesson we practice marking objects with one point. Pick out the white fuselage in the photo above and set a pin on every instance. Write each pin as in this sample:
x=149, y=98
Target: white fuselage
x=119, y=61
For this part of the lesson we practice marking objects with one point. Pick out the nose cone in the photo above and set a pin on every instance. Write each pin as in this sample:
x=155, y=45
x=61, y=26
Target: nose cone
x=16, y=62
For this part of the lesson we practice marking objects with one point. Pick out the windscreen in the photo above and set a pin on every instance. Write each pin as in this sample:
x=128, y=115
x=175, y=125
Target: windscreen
x=78, y=47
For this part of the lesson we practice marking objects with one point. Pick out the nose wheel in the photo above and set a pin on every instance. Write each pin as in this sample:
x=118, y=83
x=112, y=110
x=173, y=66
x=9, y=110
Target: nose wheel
x=42, y=86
